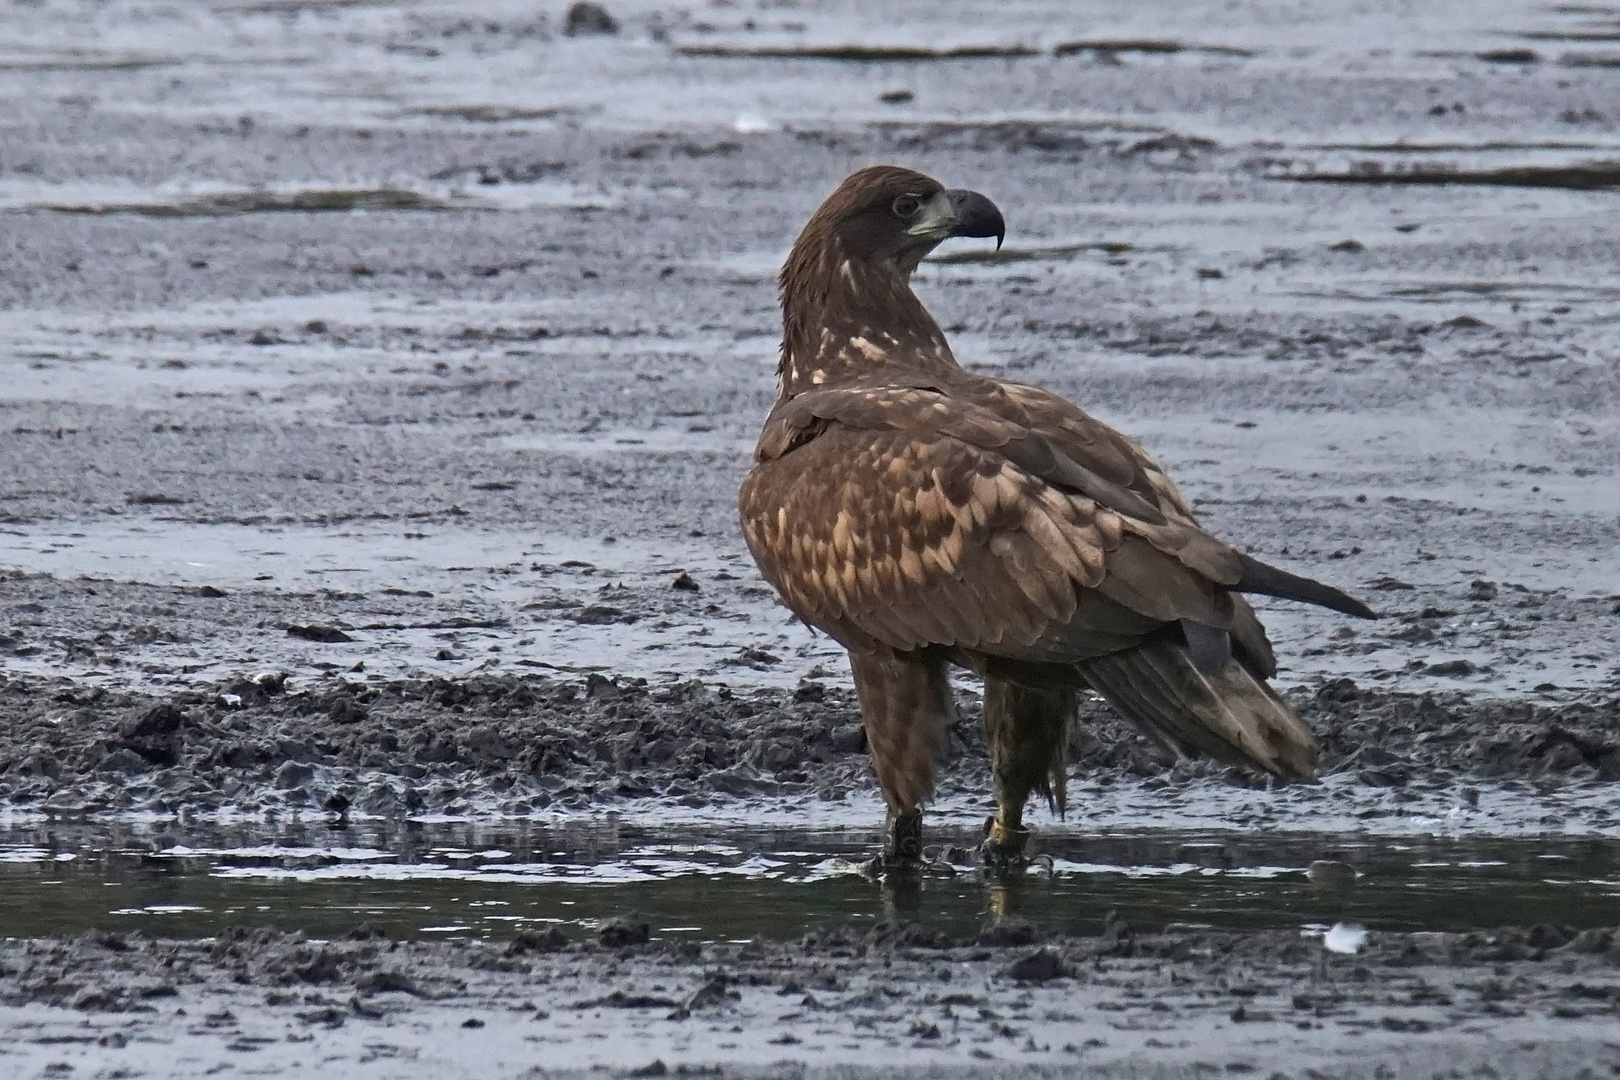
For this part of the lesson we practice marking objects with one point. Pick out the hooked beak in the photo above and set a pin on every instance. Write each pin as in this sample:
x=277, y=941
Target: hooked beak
x=960, y=213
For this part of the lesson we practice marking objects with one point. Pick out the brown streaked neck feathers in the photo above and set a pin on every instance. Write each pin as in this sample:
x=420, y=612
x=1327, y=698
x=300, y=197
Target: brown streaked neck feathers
x=844, y=317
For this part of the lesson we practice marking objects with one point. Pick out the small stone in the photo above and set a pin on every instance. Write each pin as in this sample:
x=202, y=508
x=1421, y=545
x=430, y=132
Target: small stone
x=588, y=18
x=1331, y=874
x=809, y=691
x=386, y=982
x=624, y=930
x=294, y=774
x=318, y=632
x=531, y=941
x=601, y=615
x=684, y=583
x=155, y=735
x=270, y=682
x=1039, y=966
x=849, y=738
x=122, y=761
x=346, y=710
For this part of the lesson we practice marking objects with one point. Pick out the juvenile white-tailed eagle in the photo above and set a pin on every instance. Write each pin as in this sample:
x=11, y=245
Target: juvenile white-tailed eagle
x=924, y=516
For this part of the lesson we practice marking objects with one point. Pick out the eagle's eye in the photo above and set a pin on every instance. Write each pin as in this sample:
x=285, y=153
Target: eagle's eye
x=905, y=206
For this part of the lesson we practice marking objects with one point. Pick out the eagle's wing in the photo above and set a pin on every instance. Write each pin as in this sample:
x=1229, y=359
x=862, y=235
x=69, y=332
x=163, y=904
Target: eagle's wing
x=1111, y=454
x=1085, y=438
x=907, y=517
x=910, y=517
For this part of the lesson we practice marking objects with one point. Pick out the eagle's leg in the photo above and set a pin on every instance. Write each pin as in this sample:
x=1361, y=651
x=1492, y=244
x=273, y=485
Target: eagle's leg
x=906, y=705
x=1027, y=730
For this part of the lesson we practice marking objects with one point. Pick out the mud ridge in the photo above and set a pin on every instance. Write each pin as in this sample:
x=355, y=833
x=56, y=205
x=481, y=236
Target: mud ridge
x=529, y=743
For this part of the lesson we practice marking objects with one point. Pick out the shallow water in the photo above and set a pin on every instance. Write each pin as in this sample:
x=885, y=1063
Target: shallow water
x=491, y=880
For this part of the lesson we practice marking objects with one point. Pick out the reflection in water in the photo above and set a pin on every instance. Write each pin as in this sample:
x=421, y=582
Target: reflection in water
x=493, y=879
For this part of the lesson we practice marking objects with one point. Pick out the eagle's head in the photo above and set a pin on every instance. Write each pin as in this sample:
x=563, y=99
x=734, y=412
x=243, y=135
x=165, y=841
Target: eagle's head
x=887, y=217
x=847, y=302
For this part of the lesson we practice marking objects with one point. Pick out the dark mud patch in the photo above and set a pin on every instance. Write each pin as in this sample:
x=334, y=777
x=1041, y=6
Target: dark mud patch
x=863, y=54
x=1154, y=46
x=1583, y=176
x=493, y=114
x=87, y=62
x=228, y=203
x=282, y=7
x=1117, y=138
x=1509, y=56
x=1570, y=35
x=1432, y=146
x=529, y=743
x=1591, y=60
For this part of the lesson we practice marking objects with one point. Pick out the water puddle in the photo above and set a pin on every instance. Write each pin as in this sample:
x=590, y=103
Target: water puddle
x=491, y=880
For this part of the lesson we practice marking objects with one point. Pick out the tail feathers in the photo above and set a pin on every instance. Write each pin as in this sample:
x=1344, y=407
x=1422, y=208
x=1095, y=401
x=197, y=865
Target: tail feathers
x=1228, y=714
x=1266, y=580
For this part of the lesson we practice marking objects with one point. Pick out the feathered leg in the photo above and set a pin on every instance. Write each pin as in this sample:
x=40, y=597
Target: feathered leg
x=906, y=706
x=1027, y=730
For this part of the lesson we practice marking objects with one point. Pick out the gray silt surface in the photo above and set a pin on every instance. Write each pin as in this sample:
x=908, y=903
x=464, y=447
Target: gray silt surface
x=385, y=318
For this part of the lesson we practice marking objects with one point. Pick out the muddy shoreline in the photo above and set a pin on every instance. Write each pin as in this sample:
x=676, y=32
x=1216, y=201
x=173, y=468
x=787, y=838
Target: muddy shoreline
x=1010, y=1001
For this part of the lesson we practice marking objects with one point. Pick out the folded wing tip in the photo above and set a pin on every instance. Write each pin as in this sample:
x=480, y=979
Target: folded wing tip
x=1267, y=580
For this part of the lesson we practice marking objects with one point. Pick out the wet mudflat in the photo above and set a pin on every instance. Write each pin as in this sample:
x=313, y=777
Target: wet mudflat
x=374, y=382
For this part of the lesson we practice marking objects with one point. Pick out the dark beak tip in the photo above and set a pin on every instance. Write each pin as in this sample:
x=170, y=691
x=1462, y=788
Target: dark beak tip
x=977, y=216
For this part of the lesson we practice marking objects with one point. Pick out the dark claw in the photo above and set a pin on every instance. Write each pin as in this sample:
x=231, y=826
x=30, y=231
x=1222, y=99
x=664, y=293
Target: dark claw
x=1002, y=853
